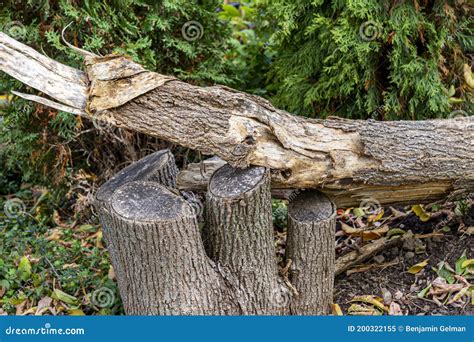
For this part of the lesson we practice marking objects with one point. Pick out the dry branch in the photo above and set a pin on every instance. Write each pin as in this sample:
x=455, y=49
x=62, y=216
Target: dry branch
x=399, y=161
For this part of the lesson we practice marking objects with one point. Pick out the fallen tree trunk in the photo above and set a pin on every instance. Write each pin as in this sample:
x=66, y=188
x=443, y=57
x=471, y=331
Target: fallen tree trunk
x=413, y=161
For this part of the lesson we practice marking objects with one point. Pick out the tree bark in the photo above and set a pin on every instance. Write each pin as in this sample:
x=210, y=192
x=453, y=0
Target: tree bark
x=239, y=237
x=159, y=167
x=415, y=161
x=310, y=253
x=167, y=271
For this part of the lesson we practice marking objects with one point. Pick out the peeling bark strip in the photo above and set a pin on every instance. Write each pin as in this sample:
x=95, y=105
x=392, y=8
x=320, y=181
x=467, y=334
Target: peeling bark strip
x=310, y=252
x=417, y=160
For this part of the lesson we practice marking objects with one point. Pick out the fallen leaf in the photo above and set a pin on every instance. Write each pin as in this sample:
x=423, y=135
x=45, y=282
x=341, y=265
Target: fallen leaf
x=336, y=310
x=418, y=267
x=55, y=234
x=76, y=312
x=30, y=311
x=394, y=232
x=24, y=268
x=422, y=293
x=376, y=217
x=374, y=234
x=359, y=212
x=467, y=263
x=446, y=272
x=350, y=230
x=377, y=302
x=398, y=295
x=366, y=234
x=458, y=295
x=397, y=213
x=63, y=297
x=362, y=310
x=395, y=310
x=43, y=305
x=20, y=307
x=420, y=212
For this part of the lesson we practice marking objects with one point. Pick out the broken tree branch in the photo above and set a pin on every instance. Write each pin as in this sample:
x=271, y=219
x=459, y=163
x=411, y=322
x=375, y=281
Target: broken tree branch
x=398, y=161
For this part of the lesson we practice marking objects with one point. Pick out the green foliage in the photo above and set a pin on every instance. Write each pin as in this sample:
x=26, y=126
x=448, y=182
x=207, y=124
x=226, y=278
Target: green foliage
x=279, y=213
x=39, y=259
x=378, y=59
x=44, y=146
x=247, y=52
x=148, y=31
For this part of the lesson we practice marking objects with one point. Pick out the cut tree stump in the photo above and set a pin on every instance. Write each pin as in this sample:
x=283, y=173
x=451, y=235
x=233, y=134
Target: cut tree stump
x=310, y=252
x=167, y=271
x=166, y=266
x=391, y=162
x=159, y=167
x=239, y=237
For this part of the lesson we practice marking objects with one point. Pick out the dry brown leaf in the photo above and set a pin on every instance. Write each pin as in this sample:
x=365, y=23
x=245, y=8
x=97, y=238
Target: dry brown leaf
x=458, y=296
x=374, y=234
x=20, y=307
x=369, y=299
x=43, y=305
x=366, y=234
x=362, y=310
x=55, y=235
x=397, y=213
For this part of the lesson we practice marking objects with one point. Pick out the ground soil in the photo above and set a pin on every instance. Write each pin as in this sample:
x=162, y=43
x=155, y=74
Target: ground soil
x=403, y=286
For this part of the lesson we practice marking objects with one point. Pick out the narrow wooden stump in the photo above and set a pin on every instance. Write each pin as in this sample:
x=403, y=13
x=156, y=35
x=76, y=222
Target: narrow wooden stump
x=159, y=167
x=239, y=237
x=310, y=252
x=166, y=268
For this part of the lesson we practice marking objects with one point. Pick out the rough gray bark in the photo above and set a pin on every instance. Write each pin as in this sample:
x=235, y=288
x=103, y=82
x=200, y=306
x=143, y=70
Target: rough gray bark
x=161, y=263
x=167, y=271
x=392, y=162
x=159, y=167
x=239, y=238
x=310, y=253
